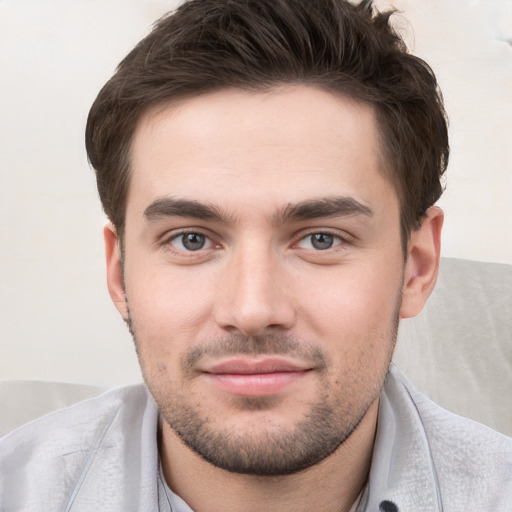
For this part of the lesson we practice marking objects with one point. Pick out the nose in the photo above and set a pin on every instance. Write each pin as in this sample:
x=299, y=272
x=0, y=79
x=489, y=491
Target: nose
x=256, y=295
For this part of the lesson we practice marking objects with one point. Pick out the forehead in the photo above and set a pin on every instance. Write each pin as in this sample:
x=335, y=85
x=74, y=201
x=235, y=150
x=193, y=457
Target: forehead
x=286, y=144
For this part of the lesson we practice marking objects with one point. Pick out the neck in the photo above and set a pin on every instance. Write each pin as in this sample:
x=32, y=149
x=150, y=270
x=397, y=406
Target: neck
x=331, y=486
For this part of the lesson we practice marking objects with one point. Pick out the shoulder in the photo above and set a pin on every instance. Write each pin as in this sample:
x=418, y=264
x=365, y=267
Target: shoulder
x=472, y=462
x=467, y=454
x=51, y=452
x=79, y=421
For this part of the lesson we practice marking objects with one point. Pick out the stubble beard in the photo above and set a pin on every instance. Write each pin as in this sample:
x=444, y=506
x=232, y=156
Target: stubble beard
x=268, y=451
x=261, y=450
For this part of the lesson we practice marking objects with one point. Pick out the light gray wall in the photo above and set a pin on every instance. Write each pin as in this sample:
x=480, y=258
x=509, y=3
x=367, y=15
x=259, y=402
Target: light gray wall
x=57, y=322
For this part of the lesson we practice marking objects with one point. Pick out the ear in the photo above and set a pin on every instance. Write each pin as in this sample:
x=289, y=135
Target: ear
x=421, y=268
x=114, y=270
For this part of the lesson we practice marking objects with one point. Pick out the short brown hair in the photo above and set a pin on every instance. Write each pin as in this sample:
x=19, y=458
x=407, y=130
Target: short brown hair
x=206, y=45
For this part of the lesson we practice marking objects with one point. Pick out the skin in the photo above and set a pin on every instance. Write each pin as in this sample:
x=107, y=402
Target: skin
x=259, y=289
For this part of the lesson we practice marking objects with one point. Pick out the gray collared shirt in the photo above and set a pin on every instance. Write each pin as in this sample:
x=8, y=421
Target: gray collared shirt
x=102, y=454
x=171, y=502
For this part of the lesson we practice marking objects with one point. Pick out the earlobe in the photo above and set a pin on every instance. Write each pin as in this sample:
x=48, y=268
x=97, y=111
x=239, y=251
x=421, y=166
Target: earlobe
x=114, y=270
x=422, y=264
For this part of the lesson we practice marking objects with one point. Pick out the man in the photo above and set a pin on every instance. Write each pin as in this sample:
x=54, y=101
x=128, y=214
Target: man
x=269, y=169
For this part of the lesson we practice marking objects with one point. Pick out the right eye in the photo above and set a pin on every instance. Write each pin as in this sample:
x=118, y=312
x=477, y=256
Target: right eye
x=190, y=241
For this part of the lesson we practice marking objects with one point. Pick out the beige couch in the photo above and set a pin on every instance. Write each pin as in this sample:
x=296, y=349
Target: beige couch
x=458, y=351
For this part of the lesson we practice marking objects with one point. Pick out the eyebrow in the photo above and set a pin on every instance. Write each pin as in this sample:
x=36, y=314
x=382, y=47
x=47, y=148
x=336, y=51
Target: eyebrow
x=171, y=207
x=323, y=207
x=305, y=210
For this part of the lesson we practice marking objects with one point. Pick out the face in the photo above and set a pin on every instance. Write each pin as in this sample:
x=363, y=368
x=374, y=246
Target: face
x=263, y=272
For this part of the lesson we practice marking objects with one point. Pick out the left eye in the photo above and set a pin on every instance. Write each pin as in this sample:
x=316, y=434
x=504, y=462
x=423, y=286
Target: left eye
x=320, y=241
x=190, y=242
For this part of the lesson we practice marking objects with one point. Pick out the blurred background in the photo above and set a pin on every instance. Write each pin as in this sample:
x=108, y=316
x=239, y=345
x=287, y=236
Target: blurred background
x=56, y=318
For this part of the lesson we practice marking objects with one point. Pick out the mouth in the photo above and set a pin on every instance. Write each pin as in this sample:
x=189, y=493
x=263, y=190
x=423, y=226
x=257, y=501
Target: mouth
x=255, y=377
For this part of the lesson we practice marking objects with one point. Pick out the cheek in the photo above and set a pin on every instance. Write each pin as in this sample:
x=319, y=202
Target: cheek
x=167, y=308
x=353, y=307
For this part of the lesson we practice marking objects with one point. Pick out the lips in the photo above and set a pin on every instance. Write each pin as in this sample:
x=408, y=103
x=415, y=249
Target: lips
x=254, y=366
x=251, y=377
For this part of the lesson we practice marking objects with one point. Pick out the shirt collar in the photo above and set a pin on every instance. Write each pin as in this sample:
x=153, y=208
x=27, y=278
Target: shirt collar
x=402, y=471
